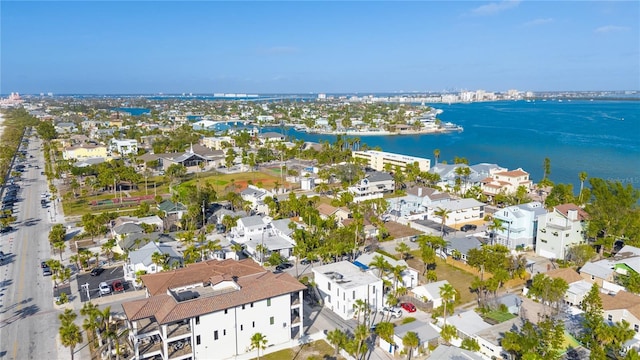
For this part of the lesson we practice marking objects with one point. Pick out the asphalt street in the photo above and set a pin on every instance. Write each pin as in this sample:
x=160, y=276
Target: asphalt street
x=28, y=320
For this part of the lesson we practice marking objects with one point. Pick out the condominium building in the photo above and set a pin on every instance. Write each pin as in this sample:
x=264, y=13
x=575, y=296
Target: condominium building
x=210, y=310
x=378, y=159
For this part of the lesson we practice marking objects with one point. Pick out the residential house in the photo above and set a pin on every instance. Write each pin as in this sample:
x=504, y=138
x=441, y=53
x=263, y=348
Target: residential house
x=578, y=287
x=599, y=272
x=270, y=137
x=408, y=277
x=490, y=338
x=519, y=225
x=373, y=186
x=142, y=260
x=559, y=230
x=377, y=160
x=119, y=232
x=450, y=177
x=427, y=335
x=415, y=203
x=445, y=352
x=458, y=212
x=339, y=213
x=468, y=324
x=506, y=182
x=135, y=241
x=254, y=232
x=168, y=207
x=66, y=128
x=124, y=147
x=211, y=309
x=342, y=284
x=458, y=247
x=623, y=306
x=154, y=220
x=430, y=292
x=256, y=196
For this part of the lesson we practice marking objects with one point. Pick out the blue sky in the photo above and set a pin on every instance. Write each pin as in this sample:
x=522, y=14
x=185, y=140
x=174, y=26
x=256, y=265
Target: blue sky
x=293, y=47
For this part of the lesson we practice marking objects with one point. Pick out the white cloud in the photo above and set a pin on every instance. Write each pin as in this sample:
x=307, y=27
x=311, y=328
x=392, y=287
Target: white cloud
x=495, y=7
x=537, y=22
x=609, y=29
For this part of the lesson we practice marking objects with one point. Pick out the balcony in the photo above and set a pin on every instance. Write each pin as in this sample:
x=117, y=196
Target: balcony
x=558, y=226
x=149, y=347
x=146, y=326
x=179, y=348
x=295, y=300
x=178, y=329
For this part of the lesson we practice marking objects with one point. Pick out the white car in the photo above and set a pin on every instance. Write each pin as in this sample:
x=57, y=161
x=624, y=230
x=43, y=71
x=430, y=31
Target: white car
x=394, y=312
x=105, y=289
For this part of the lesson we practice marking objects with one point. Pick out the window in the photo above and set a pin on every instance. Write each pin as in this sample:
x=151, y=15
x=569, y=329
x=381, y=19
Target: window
x=251, y=304
x=271, y=320
x=636, y=327
x=609, y=317
x=198, y=340
x=593, y=277
x=373, y=290
x=354, y=294
x=269, y=302
x=253, y=323
x=544, y=241
x=329, y=286
x=197, y=320
x=242, y=306
x=241, y=327
x=215, y=334
x=224, y=332
x=344, y=296
x=225, y=311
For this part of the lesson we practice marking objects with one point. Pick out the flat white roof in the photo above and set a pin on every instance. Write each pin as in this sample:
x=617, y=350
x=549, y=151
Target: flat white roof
x=351, y=275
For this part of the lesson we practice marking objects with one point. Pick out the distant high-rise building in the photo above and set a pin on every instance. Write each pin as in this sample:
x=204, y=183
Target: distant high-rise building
x=322, y=96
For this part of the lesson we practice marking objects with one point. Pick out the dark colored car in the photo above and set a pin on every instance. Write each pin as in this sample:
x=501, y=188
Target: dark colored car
x=43, y=264
x=284, y=266
x=6, y=229
x=46, y=271
x=117, y=285
x=96, y=271
x=409, y=307
x=468, y=227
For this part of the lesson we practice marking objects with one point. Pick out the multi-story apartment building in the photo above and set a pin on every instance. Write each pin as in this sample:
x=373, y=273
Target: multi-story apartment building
x=84, y=151
x=124, y=147
x=559, y=230
x=219, y=142
x=210, y=310
x=506, y=182
x=378, y=159
x=373, y=186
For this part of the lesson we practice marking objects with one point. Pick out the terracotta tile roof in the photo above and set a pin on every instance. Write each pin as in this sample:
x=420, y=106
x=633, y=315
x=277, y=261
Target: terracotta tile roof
x=567, y=274
x=326, y=209
x=255, y=284
x=622, y=300
x=513, y=173
x=564, y=210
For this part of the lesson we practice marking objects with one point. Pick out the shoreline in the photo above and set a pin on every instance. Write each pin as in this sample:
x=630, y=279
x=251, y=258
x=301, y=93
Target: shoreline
x=382, y=132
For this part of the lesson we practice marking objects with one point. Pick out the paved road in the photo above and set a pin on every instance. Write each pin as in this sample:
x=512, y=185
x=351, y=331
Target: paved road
x=28, y=320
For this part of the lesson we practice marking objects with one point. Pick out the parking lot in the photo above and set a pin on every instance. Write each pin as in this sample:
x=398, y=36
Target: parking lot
x=109, y=275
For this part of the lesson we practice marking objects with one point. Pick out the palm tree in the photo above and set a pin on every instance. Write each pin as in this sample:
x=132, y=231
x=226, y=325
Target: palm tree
x=337, y=338
x=494, y=227
x=386, y=331
x=380, y=263
x=360, y=307
x=70, y=336
x=92, y=319
x=160, y=259
x=60, y=246
x=448, y=294
x=361, y=332
x=443, y=214
x=582, y=176
x=436, y=154
x=258, y=342
x=403, y=249
x=410, y=341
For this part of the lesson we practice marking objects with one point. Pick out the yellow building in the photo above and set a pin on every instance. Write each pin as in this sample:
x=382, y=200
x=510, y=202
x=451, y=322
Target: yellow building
x=84, y=151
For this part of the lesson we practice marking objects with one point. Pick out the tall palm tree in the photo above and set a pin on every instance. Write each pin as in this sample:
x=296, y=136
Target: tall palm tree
x=582, y=176
x=443, y=214
x=436, y=154
x=258, y=342
x=70, y=336
x=381, y=264
x=360, y=333
x=448, y=294
x=360, y=307
x=495, y=226
x=410, y=341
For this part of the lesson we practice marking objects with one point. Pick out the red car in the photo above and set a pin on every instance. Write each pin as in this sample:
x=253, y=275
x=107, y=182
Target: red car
x=117, y=285
x=408, y=307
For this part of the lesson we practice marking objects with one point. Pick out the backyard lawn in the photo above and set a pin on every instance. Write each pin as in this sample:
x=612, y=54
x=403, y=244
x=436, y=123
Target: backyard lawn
x=316, y=350
x=458, y=278
x=499, y=316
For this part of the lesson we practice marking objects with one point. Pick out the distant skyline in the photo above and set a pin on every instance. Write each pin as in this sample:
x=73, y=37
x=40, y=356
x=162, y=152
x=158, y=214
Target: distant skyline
x=310, y=47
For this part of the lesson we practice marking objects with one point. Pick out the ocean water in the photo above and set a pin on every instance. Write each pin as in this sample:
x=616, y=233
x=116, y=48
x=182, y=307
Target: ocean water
x=601, y=138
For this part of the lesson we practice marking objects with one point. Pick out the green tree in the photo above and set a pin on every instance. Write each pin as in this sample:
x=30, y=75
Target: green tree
x=404, y=250
x=410, y=341
x=337, y=338
x=448, y=333
x=258, y=342
x=448, y=295
x=443, y=214
x=70, y=336
x=470, y=344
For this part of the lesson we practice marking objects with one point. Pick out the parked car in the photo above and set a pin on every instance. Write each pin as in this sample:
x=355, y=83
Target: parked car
x=393, y=312
x=105, y=289
x=96, y=271
x=6, y=229
x=413, y=238
x=409, y=307
x=468, y=227
x=46, y=271
x=284, y=266
x=43, y=264
x=117, y=285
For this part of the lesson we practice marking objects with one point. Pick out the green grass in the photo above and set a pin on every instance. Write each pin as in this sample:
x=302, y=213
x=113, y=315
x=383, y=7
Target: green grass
x=499, y=316
x=408, y=320
x=458, y=278
x=569, y=341
x=316, y=350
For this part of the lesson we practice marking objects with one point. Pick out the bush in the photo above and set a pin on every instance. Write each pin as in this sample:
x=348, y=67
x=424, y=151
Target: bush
x=408, y=320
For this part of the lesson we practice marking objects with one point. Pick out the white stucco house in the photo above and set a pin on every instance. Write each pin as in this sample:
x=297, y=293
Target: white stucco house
x=430, y=292
x=256, y=197
x=255, y=231
x=459, y=212
x=124, y=147
x=520, y=225
x=373, y=186
x=342, y=283
x=408, y=277
x=559, y=230
x=142, y=260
